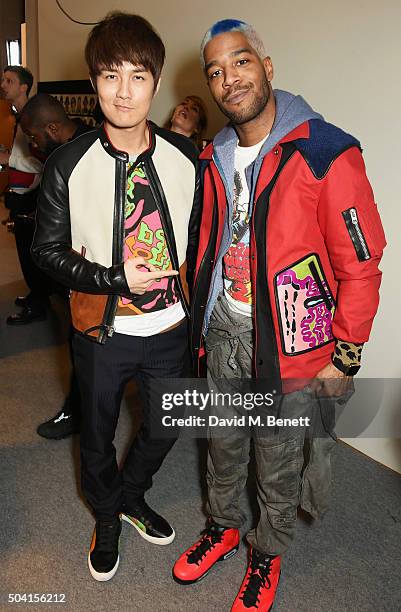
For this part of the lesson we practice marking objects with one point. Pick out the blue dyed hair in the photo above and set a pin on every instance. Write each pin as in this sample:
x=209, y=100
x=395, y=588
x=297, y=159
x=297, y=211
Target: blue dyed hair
x=233, y=25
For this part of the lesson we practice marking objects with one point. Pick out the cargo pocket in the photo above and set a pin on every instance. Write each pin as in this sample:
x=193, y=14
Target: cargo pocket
x=317, y=476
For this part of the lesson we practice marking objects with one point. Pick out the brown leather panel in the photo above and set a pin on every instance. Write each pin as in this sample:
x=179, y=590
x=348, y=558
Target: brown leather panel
x=87, y=310
x=183, y=277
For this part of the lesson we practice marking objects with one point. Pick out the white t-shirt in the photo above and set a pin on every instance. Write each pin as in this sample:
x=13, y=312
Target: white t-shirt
x=236, y=264
x=24, y=162
x=150, y=323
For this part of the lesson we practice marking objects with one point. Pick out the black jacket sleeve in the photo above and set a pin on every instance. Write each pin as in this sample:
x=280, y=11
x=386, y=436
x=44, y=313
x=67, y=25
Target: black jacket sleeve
x=52, y=246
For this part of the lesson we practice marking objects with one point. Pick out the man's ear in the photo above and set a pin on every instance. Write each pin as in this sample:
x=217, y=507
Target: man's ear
x=52, y=129
x=268, y=66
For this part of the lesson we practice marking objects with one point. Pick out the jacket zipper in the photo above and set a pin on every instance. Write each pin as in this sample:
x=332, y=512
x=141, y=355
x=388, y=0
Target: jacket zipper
x=355, y=231
x=207, y=257
x=288, y=149
x=158, y=194
x=107, y=328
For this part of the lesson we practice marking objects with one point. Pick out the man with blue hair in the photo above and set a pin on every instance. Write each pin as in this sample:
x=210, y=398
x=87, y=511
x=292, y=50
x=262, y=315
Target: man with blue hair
x=286, y=289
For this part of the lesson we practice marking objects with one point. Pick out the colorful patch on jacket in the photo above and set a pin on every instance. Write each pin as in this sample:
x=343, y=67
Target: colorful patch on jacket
x=305, y=306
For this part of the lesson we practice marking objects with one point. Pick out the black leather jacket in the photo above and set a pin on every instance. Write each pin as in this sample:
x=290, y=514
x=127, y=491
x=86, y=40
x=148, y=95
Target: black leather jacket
x=83, y=193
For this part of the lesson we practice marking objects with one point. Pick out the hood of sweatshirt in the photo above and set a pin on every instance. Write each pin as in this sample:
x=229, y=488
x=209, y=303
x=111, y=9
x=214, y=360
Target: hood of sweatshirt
x=291, y=111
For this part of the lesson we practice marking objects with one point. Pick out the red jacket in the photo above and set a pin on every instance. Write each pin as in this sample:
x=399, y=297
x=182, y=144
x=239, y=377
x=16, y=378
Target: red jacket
x=316, y=243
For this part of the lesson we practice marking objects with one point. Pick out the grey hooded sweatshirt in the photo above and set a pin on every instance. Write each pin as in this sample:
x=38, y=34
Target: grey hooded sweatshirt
x=291, y=111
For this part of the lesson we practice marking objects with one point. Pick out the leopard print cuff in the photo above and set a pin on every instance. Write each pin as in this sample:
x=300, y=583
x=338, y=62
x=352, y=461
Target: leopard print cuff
x=348, y=353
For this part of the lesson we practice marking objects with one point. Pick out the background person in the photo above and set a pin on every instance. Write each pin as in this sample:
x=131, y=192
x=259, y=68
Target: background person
x=45, y=123
x=25, y=169
x=189, y=118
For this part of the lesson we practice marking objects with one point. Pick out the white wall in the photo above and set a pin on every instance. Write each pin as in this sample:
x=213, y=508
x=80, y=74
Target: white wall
x=344, y=57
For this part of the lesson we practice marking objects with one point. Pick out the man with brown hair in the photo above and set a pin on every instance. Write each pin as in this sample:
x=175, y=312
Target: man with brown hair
x=25, y=170
x=117, y=223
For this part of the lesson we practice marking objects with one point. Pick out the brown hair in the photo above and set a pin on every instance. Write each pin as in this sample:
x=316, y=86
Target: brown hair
x=121, y=37
x=24, y=75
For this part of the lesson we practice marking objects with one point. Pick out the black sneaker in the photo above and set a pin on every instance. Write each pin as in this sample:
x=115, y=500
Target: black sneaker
x=60, y=426
x=151, y=526
x=103, y=557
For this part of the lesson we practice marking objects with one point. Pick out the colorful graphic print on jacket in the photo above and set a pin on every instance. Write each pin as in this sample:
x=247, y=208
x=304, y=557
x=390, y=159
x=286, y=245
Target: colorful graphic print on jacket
x=144, y=237
x=305, y=306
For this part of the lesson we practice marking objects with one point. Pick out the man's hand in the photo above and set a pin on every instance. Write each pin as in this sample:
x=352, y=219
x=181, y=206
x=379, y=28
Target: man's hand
x=140, y=274
x=331, y=382
x=4, y=157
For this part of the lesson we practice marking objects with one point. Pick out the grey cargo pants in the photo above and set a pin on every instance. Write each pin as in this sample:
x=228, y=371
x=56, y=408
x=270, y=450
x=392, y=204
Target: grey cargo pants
x=278, y=453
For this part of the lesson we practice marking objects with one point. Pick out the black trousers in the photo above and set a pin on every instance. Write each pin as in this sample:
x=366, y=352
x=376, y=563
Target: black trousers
x=103, y=372
x=22, y=208
x=72, y=403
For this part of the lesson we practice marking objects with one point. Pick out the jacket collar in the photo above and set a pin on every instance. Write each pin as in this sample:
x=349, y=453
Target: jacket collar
x=123, y=155
x=302, y=131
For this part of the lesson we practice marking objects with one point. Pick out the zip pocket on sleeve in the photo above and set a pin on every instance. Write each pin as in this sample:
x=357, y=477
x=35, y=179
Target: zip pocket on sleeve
x=356, y=234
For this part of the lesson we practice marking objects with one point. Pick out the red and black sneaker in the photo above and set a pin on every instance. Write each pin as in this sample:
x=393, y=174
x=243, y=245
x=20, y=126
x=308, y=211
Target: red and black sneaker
x=259, y=587
x=216, y=544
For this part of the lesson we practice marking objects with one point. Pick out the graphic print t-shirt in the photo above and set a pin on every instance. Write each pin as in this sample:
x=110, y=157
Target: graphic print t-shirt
x=236, y=265
x=159, y=307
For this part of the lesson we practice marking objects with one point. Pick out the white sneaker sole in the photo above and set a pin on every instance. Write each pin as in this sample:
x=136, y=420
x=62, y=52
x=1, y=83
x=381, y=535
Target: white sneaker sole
x=103, y=577
x=148, y=538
